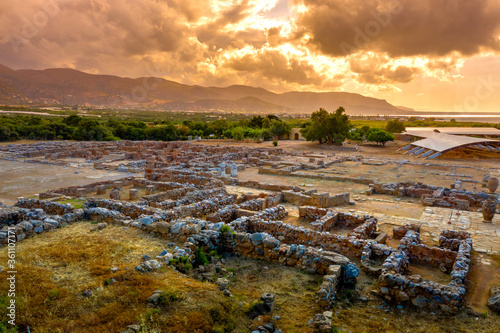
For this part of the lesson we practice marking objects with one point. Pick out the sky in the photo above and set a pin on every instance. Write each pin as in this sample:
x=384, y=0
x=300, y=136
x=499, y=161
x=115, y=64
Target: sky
x=430, y=55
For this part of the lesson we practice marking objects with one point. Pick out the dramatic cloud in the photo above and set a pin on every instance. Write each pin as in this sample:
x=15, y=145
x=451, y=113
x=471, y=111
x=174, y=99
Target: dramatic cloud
x=384, y=48
x=380, y=70
x=401, y=27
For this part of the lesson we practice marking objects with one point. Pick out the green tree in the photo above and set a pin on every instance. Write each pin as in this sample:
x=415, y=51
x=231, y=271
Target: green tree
x=280, y=128
x=6, y=134
x=219, y=126
x=256, y=122
x=379, y=136
x=162, y=133
x=92, y=130
x=237, y=133
x=327, y=127
x=395, y=126
x=72, y=120
x=266, y=123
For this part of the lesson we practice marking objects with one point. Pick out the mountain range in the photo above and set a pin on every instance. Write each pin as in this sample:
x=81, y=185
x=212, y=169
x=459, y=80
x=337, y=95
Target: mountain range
x=62, y=86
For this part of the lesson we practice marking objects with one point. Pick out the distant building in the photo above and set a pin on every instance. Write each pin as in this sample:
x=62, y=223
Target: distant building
x=294, y=135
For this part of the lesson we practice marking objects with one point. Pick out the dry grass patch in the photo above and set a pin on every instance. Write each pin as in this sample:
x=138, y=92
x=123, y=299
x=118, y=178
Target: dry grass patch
x=55, y=268
x=295, y=290
x=370, y=318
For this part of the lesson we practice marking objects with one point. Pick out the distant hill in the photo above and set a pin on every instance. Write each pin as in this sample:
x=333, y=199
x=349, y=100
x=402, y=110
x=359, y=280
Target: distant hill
x=72, y=87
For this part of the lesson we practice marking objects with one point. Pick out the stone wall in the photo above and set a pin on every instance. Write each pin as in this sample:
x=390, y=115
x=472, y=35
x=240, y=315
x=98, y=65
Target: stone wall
x=433, y=195
x=292, y=172
x=76, y=191
x=398, y=287
x=54, y=208
x=322, y=200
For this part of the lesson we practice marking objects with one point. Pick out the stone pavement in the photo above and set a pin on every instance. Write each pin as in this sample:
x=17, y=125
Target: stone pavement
x=486, y=236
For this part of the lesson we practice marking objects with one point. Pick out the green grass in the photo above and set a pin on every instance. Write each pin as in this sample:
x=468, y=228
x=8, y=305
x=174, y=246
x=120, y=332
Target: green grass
x=76, y=203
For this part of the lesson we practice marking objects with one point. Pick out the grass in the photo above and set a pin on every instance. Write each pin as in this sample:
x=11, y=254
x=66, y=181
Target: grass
x=370, y=318
x=76, y=203
x=55, y=268
x=294, y=290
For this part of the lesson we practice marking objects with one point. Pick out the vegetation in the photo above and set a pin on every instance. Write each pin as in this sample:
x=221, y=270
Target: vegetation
x=200, y=257
x=225, y=228
x=75, y=127
x=395, y=126
x=379, y=136
x=74, y=260
x=327, y=127
x=110, y=124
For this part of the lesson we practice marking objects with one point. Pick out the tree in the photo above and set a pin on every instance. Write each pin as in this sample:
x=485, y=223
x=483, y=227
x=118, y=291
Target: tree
x=92, y=130
x=162, y=133
x=6, y=134
x=379, y=136
x=238, y=133
x=219, y=126
x=327, y=127
x=280, y=128
x=395, y=126
x=72, y=120
x=266, y=123
x=256, y=122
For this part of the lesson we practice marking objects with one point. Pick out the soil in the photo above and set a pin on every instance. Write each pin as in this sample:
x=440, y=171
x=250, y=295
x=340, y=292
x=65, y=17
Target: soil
x=20, y=179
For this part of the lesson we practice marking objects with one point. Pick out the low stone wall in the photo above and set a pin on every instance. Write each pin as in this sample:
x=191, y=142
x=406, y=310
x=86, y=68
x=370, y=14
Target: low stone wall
x=231, y=212
x=265, y=201
x=396, y=286
x=190, y=198
x=52, y=208
x=76, y=191
x=322, y=200
x=350, y=246
x=174, y=194
x=134, y=211
x=329, y=286
x=291, y=172
x=23, y=223
x=201, y=233
x=161, y=186
x=128, y=209
x=433, y=195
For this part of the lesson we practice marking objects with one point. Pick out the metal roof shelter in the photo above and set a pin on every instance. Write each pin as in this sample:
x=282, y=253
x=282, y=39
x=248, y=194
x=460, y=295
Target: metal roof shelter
x=436, y=144
x=424, y=132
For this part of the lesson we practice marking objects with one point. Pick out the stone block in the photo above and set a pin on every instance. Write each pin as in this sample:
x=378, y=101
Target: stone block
x=115, y=194
x=150, y=189
x=133, y=194
x=101, y=190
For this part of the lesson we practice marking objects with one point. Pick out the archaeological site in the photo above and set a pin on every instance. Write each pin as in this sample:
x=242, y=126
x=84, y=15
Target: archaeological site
x=216, y=236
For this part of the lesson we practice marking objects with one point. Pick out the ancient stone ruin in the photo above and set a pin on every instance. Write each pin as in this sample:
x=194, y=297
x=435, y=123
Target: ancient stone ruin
x=184, y=195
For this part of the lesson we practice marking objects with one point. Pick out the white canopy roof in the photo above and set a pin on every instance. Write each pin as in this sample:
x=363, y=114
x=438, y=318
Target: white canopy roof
x=444, y=142
x=425, y=132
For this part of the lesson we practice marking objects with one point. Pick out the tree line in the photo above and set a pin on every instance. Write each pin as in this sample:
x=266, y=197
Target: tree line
x=94, y=129
x=323, y=126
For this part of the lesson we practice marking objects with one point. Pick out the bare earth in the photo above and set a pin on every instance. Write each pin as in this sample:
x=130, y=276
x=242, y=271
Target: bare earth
x=18, y=179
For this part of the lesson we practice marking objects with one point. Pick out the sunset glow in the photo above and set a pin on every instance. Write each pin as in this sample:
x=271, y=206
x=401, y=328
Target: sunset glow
x=420, y=54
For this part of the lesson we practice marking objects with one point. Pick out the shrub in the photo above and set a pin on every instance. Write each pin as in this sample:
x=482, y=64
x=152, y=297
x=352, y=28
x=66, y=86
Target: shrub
x=275, y=143
x=200, y=257
x=225, y=228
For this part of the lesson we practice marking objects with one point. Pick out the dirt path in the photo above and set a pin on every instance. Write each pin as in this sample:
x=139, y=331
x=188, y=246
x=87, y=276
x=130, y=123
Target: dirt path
x=484, y=273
